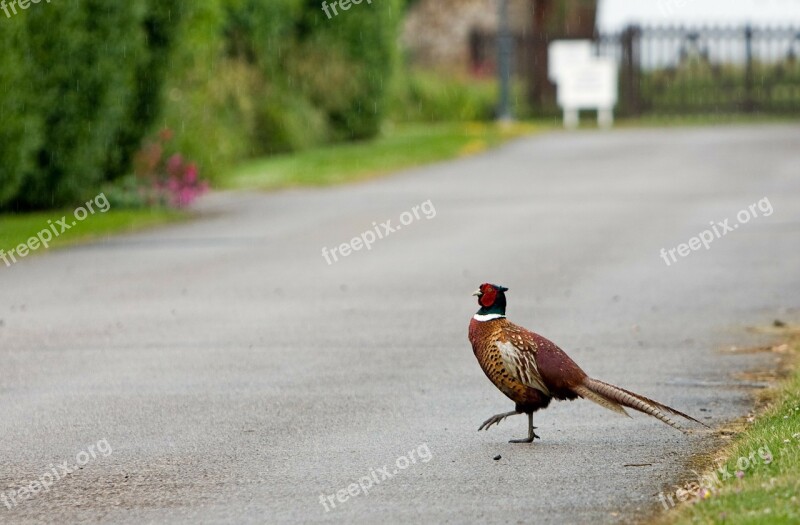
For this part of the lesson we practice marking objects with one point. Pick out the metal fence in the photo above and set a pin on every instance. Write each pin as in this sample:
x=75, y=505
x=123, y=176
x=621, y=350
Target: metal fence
x=680, y=70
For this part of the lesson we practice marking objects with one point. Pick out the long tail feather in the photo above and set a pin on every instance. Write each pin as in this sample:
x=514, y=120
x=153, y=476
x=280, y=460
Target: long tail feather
x=656, y=404
x=614, y=398
x=585, y=393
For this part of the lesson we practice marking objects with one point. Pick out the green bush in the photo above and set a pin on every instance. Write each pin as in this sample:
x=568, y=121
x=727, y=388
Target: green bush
x=161, y=26
x=231, y=78
x=286, y=122
x=21, y=130
x=84, y=94
x=365, y=38
x=82, y=79
x=215, y=90
x=212, y=113
x=254, y=77
x=429, y=97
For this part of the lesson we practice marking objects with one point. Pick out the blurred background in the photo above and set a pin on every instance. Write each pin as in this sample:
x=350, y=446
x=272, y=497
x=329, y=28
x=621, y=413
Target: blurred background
x=238, y=374
x=152, y=101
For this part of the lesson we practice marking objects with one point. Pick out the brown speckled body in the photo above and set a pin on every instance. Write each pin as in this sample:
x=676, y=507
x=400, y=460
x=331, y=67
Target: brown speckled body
x=531, y=370
x=526, y=367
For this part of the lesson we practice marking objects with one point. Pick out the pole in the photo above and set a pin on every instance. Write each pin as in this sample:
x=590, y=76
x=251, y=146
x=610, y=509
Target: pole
x=504, y=46
x=749, y=100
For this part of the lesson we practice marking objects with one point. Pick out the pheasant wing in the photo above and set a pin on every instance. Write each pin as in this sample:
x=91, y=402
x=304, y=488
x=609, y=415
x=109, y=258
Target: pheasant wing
x=518, y=354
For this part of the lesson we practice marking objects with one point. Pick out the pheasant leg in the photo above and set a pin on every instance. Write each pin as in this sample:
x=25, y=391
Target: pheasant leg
x=494, y=420
x=531, y=434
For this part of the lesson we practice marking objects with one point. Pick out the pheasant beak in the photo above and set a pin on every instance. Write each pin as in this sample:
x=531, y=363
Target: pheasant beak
x=477, y=293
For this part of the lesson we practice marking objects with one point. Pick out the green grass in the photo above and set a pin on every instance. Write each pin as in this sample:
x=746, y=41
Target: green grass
x=768, y=490
x=404, y=147
x=17, y=229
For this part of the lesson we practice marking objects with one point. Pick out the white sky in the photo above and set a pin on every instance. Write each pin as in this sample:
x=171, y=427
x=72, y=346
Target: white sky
x=616, y=14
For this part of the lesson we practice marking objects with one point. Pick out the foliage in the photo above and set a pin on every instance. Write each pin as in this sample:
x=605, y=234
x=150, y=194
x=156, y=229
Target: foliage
x=697, y=86
x=362, y=40
x=425, y=96
x=16, y=228
x=429, y=97
x=233, y=78
x=255, y=78
x=21, y=131
x=160, y=24
x=83, y=94
x=758, y=479
x=161, y=178
x=399, y=147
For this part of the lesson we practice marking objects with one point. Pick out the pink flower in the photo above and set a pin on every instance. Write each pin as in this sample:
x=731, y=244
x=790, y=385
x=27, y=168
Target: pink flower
x=167, y=181
x=191, y=173
x=184, y=197
x=739, y=474
x=175, y=164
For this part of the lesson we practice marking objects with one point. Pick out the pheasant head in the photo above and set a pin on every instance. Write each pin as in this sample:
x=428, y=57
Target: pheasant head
x=491, y=299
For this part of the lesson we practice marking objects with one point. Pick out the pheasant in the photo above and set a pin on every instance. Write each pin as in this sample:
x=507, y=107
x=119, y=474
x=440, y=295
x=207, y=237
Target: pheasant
x=531, y=370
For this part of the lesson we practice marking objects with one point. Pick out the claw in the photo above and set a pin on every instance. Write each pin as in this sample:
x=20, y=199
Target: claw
x=495, y=420
x=526, y=440
x=531, y=434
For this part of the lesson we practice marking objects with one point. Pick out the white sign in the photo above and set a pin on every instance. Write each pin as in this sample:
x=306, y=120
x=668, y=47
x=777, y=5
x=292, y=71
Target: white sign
x=591, y=85
x=583, y=81
x=563, y=54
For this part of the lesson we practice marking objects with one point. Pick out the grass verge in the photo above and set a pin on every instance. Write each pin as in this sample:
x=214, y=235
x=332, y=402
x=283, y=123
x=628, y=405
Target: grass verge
x=762, y=462
x=405, y=146
x=17, y=229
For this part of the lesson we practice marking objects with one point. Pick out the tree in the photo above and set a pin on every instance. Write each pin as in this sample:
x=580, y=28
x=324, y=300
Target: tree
x=554, y=19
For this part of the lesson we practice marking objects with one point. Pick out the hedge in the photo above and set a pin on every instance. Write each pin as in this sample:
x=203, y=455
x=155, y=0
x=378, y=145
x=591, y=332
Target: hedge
x=83, y=82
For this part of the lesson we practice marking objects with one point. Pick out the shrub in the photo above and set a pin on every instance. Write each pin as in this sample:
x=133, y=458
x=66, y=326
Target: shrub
x=161, y=178
x=364, y=39
x=286, y=122
x=429, y=97
x=233, y=78
x=82, y=79
x=77, y=100
x=161, y=26
x=254, y=77
x=21, y=130
x=213, y=113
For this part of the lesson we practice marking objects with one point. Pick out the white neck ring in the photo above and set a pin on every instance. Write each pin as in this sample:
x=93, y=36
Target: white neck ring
x=487, y=317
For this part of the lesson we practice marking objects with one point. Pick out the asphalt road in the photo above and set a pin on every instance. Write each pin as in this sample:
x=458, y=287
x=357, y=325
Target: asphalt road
x=222, y=372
